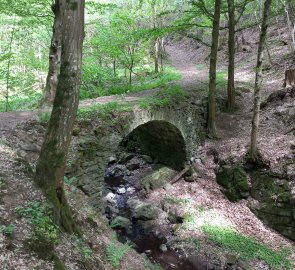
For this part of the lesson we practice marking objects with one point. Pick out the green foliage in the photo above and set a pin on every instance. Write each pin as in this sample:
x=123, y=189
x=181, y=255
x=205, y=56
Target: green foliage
x=174, y=200
x=84, y=249
x=167, y=97
x=153, y=266
x=221, y=78
x=144, y=79
x=116, y=252
x=103, y=111
x=39, y=215
x=2, y=182
x=70, y=181
x=20, y=102
x=247, y=248
x=7, y=230
x=114, y=224
x=44, y=117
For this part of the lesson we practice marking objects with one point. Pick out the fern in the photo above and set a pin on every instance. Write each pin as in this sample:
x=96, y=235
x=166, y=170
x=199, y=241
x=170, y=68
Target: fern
x=115, y=253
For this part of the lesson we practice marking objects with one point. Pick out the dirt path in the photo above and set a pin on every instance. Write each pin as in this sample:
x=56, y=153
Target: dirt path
x=186, y=63
x=183, y=62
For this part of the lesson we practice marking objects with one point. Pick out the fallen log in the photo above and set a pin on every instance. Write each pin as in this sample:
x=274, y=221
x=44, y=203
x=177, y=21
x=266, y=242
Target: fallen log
x=179, y=175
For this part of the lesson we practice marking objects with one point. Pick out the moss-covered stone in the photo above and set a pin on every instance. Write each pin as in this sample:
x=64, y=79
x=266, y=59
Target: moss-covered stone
x=274, y=198
x=234, y=179
x=158, y=178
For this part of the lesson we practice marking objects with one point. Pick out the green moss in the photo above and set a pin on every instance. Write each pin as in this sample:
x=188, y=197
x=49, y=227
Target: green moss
x=246, y=247
x=158, y=178
x=234, y=179
x=224, y=176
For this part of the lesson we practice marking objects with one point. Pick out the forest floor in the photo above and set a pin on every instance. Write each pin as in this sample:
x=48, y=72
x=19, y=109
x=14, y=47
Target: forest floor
x=233, y=130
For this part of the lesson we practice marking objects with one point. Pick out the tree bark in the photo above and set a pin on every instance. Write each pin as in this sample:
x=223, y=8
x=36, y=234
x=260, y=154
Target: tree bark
x=54, y=57
x=162, y=53
x=157, y=56
x=114, y=67
x=258, y=81
x=8, y=69
x=289, y=24
x=52, y=160
x=212, y=71
x=231, y=57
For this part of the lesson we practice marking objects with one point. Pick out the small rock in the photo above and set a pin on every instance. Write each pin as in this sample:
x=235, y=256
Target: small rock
x=121, y=190
x=133, y=166
x=191, y=178
x=125, y=157
x=147, y=159
x=163, y=248
x=110, y=198
x=112, y=160
x=231, y=259
x=130, y=190
x=168, y=187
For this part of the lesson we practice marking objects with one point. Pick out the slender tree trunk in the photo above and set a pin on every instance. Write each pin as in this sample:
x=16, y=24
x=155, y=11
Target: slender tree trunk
x=130, y=72
x=8, y=69
x=231, y=57
x=54, y=57
x=157, y=56
x=212, y=71
x=52, y=160
x=258, y=81
x=114, y=66
x=162, y=53
x=289, y=24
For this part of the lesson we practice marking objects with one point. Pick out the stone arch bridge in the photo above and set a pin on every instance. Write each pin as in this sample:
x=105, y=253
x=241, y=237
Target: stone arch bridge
x=168, y=134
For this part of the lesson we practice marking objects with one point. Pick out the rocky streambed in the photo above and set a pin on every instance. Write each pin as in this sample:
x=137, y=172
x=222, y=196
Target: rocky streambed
x=147, y=226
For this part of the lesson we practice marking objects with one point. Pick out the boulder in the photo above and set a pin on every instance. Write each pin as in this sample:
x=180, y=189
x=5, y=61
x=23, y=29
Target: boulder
x=234, y=180
x=121, y=223
x=125, y=157
x=133, y=164
x=158, y=178
x=147, y=159
x=142, y=210
x=274, y=201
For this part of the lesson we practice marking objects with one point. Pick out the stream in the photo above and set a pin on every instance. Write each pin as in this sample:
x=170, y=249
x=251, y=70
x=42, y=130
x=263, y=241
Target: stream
x=121, y=185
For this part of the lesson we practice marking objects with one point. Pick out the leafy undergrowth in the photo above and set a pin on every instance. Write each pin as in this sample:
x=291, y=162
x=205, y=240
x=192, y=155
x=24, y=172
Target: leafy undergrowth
x=147, y=80
x=246, y=247
x=167, y=97
x=115, y=252
x=102, y=111
x=20, y=103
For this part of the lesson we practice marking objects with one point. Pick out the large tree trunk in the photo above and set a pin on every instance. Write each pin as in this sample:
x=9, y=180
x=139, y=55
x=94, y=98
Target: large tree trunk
x=231, y=57
x=258, y=81
x=51, y=163
x=212, y=71
x=54, y=57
